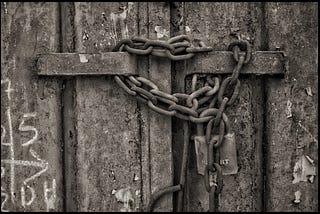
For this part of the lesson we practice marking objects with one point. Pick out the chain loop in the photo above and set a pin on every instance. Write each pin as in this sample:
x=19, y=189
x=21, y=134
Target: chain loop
x=177, y=48
x=242, y=45
x=203, y=105
x=156, y=196
x=235, y=93
x=220, y=111
x=218, y=185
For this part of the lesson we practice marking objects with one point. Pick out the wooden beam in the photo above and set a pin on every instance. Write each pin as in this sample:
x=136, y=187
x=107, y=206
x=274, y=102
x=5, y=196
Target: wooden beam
x=73, y=64
x=122, y=63
x=222, y=62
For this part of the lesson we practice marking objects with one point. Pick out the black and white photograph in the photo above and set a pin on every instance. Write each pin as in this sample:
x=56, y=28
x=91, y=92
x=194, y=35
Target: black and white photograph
x=159, y=107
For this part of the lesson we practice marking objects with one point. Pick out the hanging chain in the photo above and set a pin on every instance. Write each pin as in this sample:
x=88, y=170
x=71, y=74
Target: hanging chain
x=204, y=105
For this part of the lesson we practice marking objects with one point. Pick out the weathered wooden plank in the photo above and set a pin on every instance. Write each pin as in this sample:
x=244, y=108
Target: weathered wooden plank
x=292, y=107
x=222, y=62
x=216, y=24
x=122, y=63
x=31, y=158
x=161, y=170
x=108, y=156
x=178, y=85
x=71, y=64
x=143, y=65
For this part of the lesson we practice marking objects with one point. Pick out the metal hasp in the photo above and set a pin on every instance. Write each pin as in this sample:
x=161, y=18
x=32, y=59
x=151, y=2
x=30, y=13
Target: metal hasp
x=123, y=63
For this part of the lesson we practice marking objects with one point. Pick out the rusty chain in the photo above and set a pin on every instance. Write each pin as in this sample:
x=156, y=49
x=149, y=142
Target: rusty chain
x=203, y=105
x=176, y=48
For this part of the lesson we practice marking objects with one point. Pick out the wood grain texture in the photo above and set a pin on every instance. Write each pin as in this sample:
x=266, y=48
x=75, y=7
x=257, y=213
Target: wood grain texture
x=156, y=160
x=291, y=116
x=122, y=63
x=143, y=65
x=217, y=24
x=68, y=64
x=178, y=85
x=222, y=62
x=160, y=126
x=107, y=123
x=31, y=158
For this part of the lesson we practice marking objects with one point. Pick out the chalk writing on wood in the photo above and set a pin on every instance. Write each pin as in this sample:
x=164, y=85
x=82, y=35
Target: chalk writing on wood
x=25, y=128
x=27, y=192
x=49, y=199
x=8, y=90
x=3, y=194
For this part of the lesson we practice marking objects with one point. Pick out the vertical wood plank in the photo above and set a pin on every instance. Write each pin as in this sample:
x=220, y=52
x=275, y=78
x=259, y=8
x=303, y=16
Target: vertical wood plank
x=160, y=125
x=31, y=158
x=155, y=128
x=108, y=156
x=291, y=109
x=217, y=24
x=143, y=67
x=177, y=21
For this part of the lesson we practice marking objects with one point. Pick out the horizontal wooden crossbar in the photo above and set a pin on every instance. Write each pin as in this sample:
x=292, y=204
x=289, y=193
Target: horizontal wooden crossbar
x=75, y=64
x=123, y=63
x=222, y=62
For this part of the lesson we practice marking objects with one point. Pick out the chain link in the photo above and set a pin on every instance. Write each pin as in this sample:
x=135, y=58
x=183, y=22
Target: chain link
x=177, y=48
x=203, y=105
x=167, y=104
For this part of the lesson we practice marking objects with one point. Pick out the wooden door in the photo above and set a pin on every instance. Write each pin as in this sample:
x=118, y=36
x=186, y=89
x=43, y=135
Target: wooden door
x=80, y=143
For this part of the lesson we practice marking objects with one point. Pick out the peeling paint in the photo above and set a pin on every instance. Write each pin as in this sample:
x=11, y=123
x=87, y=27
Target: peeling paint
x=5, y=8
x=309, y=133
x=297, y=197
x=245, y=37
x=311, y=178
x=121, y=19
x=304, y=170
x=136, y=178
x=309, y=91
x=187, y=28
x=83, y=58
x=85, y=36
x=130, y=6
x=288, y=109
x=125, y=196
x=161, y=32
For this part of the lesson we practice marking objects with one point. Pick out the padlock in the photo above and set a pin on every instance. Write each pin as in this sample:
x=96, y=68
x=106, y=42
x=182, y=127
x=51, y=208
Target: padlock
x=201, y=148
x=228, y=155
